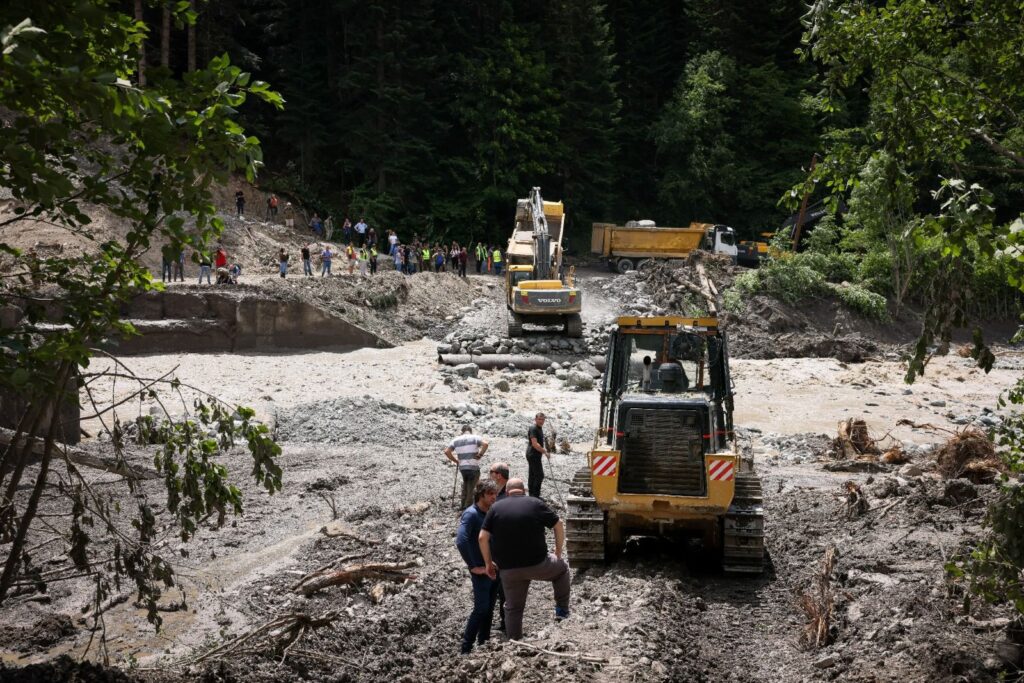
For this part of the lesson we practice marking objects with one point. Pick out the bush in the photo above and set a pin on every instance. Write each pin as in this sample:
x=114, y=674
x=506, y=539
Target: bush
x=863, y=301
x=875, y=270
x=791, y=280
x=797, y=277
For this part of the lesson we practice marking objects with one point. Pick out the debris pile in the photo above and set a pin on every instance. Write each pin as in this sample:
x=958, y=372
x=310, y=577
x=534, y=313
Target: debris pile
x=969, y=454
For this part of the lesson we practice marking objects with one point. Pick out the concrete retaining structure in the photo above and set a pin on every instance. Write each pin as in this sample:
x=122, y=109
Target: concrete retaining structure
x=222, y=320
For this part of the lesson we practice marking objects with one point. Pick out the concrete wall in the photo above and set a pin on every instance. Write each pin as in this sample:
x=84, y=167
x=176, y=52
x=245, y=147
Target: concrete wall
x=220, y=321
x=13, y=406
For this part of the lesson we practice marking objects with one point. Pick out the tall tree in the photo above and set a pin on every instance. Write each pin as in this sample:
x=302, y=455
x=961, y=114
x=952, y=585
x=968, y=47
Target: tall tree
x=165, y=37
x=82, y=136
x=583, y=73
x=141, y=62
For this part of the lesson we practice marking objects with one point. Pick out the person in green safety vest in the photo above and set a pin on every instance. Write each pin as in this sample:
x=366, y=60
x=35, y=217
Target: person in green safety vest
x=481, y=256
x=497, y=261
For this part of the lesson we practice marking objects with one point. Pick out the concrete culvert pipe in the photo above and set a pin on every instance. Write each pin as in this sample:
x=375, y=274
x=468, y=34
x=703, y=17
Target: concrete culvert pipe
x=496, y=361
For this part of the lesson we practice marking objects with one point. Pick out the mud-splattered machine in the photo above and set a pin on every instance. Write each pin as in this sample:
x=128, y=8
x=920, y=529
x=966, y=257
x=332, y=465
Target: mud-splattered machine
x=665, y=461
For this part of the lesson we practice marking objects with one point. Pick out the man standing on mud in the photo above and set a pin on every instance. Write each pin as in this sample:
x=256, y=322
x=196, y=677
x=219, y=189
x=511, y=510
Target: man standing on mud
x=465, y=451
x=534, y=450
x=512, y=539
x=485, y=588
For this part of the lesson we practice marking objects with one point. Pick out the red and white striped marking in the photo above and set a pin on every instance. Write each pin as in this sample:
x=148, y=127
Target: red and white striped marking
x=721, y=470
x=605, y=465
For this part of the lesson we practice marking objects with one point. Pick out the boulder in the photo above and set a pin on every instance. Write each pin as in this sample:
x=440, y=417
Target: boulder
x=579, y=381
x=467, y=370
x=910, y=470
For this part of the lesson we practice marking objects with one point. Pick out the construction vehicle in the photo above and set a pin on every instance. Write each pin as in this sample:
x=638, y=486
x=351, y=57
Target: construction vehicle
x=750, y=253
x=665, y=461
x=537, y=290
x=637, y=244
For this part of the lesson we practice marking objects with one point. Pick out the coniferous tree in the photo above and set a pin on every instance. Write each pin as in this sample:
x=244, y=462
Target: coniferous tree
x=583, y=72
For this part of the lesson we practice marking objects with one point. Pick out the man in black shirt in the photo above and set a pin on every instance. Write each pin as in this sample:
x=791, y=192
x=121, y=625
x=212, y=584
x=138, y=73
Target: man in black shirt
x=512, y=539
x=307, y=267
x=534, y=450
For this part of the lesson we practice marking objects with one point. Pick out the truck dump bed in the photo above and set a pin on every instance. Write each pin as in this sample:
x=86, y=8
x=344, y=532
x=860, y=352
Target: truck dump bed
x=520, y=246
x=646, y=242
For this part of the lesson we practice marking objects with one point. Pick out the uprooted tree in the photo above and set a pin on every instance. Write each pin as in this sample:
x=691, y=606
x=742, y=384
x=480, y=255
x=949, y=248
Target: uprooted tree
x=944, y=94
x=79, y=135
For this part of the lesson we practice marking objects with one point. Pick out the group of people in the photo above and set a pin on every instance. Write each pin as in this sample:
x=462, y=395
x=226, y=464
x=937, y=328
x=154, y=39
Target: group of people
x=360, y=251
x=502, y=537
x=173, y=265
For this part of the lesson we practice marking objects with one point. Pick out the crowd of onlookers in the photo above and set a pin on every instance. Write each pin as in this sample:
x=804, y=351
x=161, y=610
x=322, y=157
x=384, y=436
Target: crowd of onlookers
x=360, y=249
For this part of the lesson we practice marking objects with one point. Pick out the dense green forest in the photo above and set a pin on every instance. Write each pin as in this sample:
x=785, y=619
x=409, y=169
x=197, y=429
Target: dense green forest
x=438, y=115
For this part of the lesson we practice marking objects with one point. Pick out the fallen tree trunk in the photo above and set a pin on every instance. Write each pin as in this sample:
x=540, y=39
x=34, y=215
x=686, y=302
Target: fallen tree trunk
x=496, y=361
x=80, y=457
x=388, y=571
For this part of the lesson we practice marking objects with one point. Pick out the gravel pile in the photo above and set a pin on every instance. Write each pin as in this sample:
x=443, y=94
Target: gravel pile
x=367, y=420
x=359, y=420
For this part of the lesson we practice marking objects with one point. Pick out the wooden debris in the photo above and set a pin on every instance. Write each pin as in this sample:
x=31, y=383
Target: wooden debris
x=818, y=604
x=329, y=565
x=856, y=503
x=385, y=571
x=414, y=509
x=579, y=656
x=337, y=529
x=894, y=456
x=969, y=454
x=853, y=442
x=277, y=635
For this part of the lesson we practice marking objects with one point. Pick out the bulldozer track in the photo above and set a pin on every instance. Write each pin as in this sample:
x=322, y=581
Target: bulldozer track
x=743, y=528
x=585, y=541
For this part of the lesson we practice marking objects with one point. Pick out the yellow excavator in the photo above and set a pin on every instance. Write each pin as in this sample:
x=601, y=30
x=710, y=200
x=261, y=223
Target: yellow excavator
x=537, y=291
x=664, y=461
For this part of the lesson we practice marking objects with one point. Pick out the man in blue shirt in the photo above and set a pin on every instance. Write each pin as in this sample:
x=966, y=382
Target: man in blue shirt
x=485, y=588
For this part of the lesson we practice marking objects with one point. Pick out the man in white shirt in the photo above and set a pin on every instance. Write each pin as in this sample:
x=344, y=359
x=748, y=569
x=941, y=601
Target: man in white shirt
x=466, y=450
x=361, y=231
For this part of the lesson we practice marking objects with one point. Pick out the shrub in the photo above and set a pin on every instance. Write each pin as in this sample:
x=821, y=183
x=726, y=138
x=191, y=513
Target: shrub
x=875, y=270
x=861, y=300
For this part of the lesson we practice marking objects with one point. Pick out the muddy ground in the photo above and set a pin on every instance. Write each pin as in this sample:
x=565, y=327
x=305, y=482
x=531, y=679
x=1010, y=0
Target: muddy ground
x=362, y=434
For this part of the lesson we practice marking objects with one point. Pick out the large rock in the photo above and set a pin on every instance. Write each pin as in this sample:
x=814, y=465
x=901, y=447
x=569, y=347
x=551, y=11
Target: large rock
x=579, y=381
x=467, y=370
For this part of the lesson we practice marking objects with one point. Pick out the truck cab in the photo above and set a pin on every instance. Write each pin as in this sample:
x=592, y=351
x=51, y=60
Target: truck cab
x=721, y=239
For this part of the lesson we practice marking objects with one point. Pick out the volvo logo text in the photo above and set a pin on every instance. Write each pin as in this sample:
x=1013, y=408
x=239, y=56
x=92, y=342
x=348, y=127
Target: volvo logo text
x=548, y=301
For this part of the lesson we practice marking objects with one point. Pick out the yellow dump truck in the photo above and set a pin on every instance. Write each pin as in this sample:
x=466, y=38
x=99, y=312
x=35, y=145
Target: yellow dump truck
x=637, y=243
x=665, y=460
x=537, y=290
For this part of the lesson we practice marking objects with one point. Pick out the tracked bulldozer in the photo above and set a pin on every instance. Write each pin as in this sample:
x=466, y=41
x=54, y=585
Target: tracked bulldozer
x=665, y=461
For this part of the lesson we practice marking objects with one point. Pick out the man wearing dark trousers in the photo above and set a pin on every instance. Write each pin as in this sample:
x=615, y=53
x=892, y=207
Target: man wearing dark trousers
x=465, y=451
x=512, y=539
x=534, y=451
x=485, y=588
